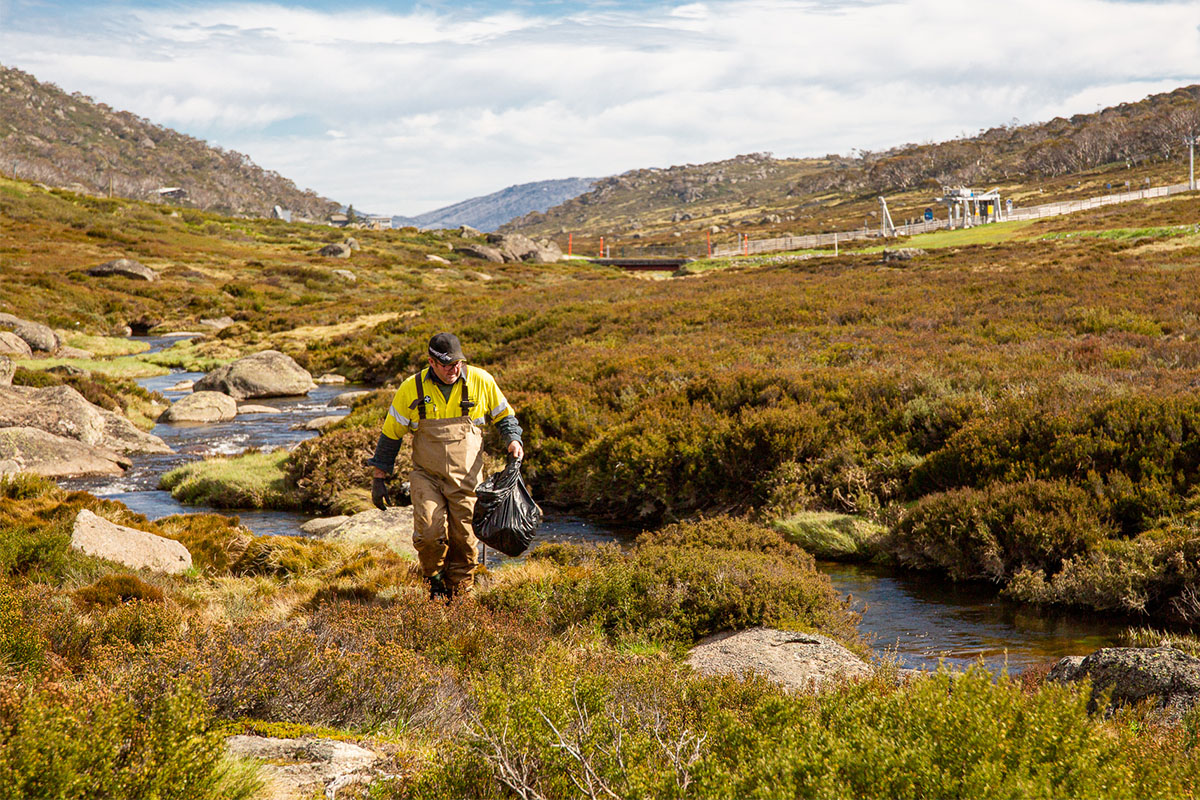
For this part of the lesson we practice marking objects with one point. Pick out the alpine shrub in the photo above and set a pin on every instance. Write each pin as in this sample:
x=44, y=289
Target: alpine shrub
x=90, y=741
x=995, y=532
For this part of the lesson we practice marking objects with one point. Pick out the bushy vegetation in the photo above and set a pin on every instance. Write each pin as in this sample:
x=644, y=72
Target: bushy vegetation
x=327, y=473
x=560, y=731
x=560, y=676
x=693, y=580
x=87, y=741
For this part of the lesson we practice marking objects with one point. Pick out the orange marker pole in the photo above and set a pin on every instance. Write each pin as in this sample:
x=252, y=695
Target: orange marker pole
x=570, y=242
x=602, y=247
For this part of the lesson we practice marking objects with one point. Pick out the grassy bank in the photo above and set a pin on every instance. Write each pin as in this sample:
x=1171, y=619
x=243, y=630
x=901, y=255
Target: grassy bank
x=253, y=480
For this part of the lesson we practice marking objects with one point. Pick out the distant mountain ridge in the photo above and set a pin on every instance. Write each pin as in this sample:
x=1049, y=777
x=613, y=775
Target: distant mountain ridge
x=489, y=212
x=71, y=141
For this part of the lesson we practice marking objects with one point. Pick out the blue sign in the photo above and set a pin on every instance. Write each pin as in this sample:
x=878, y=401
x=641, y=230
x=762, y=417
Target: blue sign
x=928, y=214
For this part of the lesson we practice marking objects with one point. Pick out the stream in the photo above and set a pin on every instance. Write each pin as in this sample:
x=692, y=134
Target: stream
x=916, y=619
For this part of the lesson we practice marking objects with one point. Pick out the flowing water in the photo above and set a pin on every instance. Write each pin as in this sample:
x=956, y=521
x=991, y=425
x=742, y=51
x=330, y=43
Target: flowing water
x=916, y=619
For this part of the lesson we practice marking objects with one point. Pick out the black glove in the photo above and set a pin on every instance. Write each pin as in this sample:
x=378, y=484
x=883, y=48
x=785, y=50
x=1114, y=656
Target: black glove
x=379, y=494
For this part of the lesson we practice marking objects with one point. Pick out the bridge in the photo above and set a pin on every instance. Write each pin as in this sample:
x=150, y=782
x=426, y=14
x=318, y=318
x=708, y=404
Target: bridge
x=647, y=263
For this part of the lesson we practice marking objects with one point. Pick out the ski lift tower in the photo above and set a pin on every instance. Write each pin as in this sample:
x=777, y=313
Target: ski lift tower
x=886, y=226
x=970, y=207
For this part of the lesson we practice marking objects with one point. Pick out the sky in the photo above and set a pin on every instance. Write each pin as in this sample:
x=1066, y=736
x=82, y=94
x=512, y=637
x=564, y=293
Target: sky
x=404, y=107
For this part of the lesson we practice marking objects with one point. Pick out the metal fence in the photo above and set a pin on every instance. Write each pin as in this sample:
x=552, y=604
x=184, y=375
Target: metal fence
x=813, y=241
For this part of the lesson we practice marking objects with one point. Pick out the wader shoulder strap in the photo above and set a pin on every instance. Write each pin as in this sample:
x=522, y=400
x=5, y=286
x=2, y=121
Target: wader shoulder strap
x=466, y=403
x=420, y=396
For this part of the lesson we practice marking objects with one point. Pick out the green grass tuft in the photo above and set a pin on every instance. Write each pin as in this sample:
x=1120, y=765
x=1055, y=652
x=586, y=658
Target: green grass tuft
x=117, y=368
x=830, y=535
x=253, y=480
x=106, y=346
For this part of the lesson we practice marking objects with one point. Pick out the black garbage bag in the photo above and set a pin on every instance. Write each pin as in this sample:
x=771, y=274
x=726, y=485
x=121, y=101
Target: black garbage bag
x=506, y=517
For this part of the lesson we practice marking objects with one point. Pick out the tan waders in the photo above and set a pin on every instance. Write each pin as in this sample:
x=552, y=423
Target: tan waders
x=447, y=466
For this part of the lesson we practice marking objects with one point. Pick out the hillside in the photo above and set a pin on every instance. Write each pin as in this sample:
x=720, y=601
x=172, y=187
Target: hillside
x=489, y=212
x=764, y=195
x=71, y=141
x=1016, y=409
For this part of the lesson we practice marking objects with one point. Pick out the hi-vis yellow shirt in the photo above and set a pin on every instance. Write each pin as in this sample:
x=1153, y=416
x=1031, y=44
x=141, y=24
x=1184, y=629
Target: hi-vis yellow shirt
x=404, y=415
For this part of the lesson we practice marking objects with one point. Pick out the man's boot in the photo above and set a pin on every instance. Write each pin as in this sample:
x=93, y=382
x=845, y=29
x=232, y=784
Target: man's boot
x=438, y=590
x=463, y=588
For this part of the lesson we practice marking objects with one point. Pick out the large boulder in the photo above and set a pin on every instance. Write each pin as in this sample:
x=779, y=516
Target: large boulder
x=481, y=251
x=513, y=246
x=322, y=525
x=316, y=423
x=336, y=250
x=269, y=373
x=202, y=407
x=348, y=399
x=902, y=254
x=519, y=247
x=13, y=345
x=136, y=549
x=75, y=352
x=392, y=528
x=25, y=449
x=218, y=323
x=1166, y=676
x=62, y=411
x=36, y=335
x=250, y=408
x=797, y=661
x=307, y=767
x=125, y=267
x=547, y=252
x=7, y=368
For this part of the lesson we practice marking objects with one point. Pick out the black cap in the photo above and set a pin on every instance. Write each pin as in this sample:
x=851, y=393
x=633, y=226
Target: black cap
x=444, y=347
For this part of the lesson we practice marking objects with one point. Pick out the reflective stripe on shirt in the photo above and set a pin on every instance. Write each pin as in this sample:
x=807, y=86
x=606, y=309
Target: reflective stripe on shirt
x=404, y=421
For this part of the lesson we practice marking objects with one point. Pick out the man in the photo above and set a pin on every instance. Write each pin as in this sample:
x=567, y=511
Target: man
x=444, y=406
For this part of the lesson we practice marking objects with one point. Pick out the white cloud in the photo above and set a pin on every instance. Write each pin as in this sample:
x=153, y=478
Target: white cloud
x=406, y=111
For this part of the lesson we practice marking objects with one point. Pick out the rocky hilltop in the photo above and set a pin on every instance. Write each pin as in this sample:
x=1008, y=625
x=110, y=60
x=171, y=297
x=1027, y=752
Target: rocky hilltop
x=71, y=141
x=781, y=194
